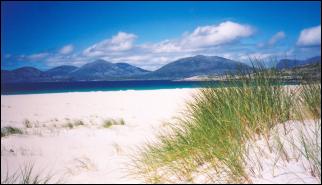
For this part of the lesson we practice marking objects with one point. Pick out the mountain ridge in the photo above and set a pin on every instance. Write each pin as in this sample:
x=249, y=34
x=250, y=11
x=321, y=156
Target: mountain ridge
x=100, y=70
x=197, y=65
x=291, y=63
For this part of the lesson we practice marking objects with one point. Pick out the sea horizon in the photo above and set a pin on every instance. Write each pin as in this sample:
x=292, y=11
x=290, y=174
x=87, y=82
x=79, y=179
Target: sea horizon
x=96, y=86
x=102, y=86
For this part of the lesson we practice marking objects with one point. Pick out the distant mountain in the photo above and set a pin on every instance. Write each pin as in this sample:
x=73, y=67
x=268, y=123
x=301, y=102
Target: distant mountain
x=23, y=74
x=314, y=60
x=289, y=63
x=6, y=76
x=97, y=70
x=129, y=69
x=197, y=65
x=28, y=72
x=103, y=70
x=61, y=72
x=100, y=70
x=307, y=72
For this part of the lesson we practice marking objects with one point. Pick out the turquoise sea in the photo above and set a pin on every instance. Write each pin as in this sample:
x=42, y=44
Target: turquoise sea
x=60, y=87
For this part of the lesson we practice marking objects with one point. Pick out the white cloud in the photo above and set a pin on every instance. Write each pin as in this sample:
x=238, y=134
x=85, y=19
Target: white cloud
x=219, y=39
x=66, y=49
x=36, y=57
x=255, y=56
x=205, y=36
x=310, y=37
x=166, y=46
x=290, y=52
x=216, y=34
x=59, y=59
x=118, y=43
x=275, y=38
x=272, y=41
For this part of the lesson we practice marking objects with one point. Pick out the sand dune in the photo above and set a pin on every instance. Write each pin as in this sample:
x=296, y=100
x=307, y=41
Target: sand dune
x=64, y=134
x=88, y=153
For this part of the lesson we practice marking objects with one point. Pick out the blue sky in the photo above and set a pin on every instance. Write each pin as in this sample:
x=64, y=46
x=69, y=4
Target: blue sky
x=151, y=34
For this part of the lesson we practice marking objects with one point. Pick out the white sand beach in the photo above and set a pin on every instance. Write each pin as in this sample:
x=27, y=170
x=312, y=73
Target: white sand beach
x=90, y=153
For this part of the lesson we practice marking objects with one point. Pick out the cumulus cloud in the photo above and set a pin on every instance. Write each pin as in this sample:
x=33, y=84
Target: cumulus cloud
x=275, y=38
x=255, y=56
x=205, y=40
x=166, y=46
x=58, y=59
x=310, y=37
x=121, y=42
x=66, y=49
x=216, y=34
x=272, y=41
x=205, y=36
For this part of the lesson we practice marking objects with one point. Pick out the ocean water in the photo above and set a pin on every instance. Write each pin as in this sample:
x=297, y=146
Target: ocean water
x=60, y=87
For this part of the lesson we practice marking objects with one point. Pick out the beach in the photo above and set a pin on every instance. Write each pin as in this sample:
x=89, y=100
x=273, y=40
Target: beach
x=65, y=136
x=88, y=153
x=164, y=93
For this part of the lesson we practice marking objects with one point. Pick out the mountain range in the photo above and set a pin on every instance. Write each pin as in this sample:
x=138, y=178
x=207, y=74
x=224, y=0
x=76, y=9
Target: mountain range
x=194, y=66
x=100, y=70
x=289, y=63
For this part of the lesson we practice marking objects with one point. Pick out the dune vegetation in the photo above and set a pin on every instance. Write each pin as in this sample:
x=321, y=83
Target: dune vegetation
x=6, y=131
x=27, y=175
x=213, y=138
x=110, y=122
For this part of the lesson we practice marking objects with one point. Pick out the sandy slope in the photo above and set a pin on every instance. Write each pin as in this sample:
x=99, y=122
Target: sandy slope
x=89, y=153
x=93, y=154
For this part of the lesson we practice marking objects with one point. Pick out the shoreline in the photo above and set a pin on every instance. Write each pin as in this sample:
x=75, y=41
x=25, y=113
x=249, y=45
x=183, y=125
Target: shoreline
x=118, y=90
x=99, y=91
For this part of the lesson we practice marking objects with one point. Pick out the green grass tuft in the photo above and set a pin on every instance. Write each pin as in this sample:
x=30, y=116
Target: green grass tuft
x=311, y=98
x=73, y=124
x=107, y=123
x=6, y=131
x=78, y=123
x=27, y=175
x=110, y=122
x=27, y=123
x=216, y=125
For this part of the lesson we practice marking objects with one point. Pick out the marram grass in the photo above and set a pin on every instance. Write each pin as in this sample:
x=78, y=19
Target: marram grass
x=212, y=132
x=27, y=175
